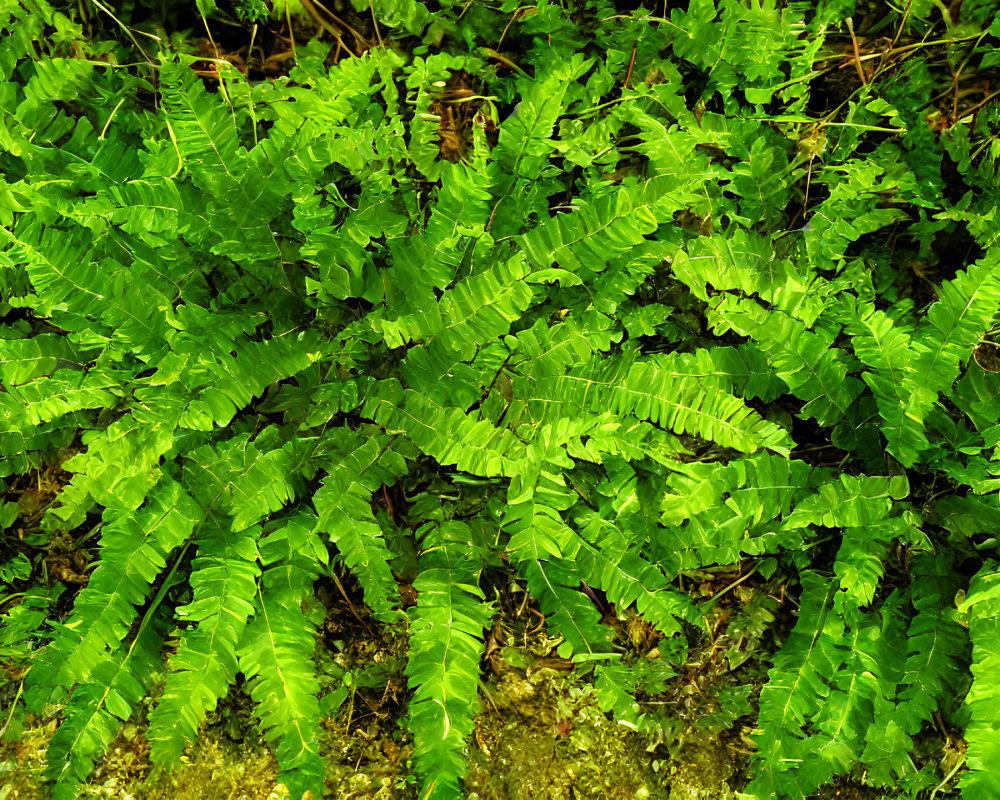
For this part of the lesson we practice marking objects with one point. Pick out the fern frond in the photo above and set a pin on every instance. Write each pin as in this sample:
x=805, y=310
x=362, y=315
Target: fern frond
x=813, y=370
x=965, y=309
x=410, y=15
x=931, y=677
x=98, y=708
x=343, y=505
x=203, y=129
x=861, y=690
x=795, y=692
x=283, y=683
x=222, y=380
x=713, y=512
x=48, y=399
x=23, y=623
x=626, y=576
x=120, y=465
x=449, y=435
x=25, y=360
x=525, y=140
x=135, y=547
x=424, y=79
x=886, y=347
x=224, y=585
x=601, y=229
x=434, y=259
x=533, y=518
x=477, y=311
x=977, y=394
x=743, y=371
x=860, y=562
x=982, y=734
x=853, y=501
x=445, y=647
x=544, y=545
x=268, y=477
x=746, y=263
x=678, y=402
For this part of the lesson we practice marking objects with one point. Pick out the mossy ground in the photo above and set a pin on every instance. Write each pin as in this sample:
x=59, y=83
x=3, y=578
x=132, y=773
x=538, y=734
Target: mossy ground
x=540, y=733
x=543, y=735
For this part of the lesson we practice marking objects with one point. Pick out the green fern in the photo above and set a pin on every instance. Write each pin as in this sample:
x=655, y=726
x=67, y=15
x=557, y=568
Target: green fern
x=981, y=734
x=343, y=505
x=803, y=359
x=445, y=646
x=886, y=349
x=223, y=577
x=97, y=709
x=283, y=684
x=675, y=401
x=600, y=356
x=135, y=548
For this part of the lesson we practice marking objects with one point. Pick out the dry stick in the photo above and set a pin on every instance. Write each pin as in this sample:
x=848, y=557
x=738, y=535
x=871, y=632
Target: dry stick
x=731, y=586
x=489, y=222
x=902, y=22
x=211, y=40
x=514, y=18
x=895, y=39
x=358, y=38
x=954, y=99
x=13, y=707
x=631, y=63
x=388, y=503
x=253, y=38
x=378, y=33
x=857, y=53
x=947, y=778
x=309, y=7
x=350, y=605
x=979, y=106
x=505, y=61
x=467, y=7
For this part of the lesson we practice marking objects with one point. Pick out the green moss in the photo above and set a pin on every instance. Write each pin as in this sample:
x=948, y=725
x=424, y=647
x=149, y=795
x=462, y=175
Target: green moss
x=543, y=736
x=215, y=767
x=701, y=771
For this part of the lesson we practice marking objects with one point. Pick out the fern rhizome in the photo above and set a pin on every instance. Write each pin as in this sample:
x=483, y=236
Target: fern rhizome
x=609, y=301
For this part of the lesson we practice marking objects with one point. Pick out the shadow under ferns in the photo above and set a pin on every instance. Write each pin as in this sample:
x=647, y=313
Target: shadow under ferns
x=270, y=330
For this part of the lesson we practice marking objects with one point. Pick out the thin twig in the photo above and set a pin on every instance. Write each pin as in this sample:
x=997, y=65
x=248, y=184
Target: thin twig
x=378, y=33
x=979, y=106
x=388, y=503
x=902, y=22
x=358, y=38
x=731, y=586
x=291, y=32
x=514, y=18
x=311, y=9
x=947, y=778
x=350, y=605
x=127, y=30
x=13, y=707
x=504, y=60
x=468, y=5
x=857, y=52
x=631, y=63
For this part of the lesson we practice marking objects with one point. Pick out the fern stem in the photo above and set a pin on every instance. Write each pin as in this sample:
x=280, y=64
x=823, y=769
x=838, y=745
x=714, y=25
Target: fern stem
x=946, y=779
x=13, y=707
x=724, y=590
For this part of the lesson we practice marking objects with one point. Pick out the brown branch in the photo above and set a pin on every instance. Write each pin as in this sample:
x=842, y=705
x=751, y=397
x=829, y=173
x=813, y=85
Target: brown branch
x=857, y=53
